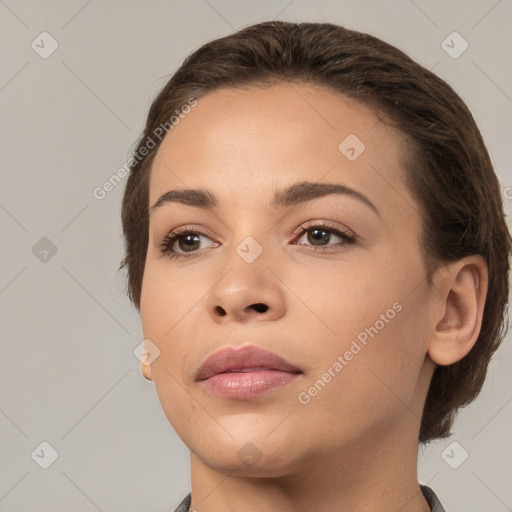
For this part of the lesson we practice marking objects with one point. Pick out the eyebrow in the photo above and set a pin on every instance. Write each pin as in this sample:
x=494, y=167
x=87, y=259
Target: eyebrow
x=290, y=196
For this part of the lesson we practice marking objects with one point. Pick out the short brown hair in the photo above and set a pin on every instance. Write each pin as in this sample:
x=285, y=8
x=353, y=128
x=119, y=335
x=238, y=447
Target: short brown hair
x=449, y=170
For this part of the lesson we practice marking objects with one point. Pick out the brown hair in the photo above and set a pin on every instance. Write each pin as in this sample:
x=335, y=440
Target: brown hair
x=449, y=170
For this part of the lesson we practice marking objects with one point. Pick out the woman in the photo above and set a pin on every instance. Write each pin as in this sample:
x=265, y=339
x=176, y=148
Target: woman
x=315, y=241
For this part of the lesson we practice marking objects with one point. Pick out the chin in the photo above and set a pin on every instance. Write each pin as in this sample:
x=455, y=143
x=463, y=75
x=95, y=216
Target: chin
x=248, y=461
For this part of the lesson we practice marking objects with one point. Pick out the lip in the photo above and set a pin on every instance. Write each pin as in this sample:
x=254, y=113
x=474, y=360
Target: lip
x=243, y=373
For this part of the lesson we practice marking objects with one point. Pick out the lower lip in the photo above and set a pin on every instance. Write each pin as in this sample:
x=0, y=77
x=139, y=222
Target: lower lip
x=246, y=385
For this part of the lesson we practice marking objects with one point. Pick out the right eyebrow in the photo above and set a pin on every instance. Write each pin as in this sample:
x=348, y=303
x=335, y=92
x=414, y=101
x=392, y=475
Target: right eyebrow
x=191, y=197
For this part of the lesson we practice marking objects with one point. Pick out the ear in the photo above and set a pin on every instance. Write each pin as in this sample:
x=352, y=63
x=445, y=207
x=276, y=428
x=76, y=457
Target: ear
x=146, y=371
x=461, y=291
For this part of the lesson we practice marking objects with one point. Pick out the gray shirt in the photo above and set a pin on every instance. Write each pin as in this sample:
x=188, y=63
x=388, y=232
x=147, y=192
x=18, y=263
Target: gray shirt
x=430, y=496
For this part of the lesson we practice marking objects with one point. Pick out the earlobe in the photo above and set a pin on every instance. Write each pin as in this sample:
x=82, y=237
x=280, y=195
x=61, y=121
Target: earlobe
x=146, y=371
x=462, y=291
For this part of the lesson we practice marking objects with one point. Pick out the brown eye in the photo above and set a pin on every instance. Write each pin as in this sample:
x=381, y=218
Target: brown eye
x=320, y=236
x=182, y=243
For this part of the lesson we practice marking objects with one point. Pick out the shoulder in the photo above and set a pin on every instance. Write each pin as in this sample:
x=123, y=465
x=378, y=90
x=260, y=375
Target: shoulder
x=432, y=499
x=184, y=505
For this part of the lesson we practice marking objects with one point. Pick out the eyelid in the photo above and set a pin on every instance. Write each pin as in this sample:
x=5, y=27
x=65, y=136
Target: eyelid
x=326, y=224
x=191, y=227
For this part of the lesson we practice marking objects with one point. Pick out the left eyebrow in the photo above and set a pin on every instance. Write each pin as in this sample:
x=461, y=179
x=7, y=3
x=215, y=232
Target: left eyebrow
x=290, y=196
x=306, y=190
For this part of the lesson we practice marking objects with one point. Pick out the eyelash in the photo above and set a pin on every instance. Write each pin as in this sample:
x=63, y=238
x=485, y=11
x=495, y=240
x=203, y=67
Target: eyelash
x=169, y=240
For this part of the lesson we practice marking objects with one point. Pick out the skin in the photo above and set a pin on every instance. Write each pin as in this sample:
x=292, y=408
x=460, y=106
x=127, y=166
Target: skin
x=353, y=446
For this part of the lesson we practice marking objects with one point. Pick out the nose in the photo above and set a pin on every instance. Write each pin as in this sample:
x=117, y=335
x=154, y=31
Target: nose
x=247, y=292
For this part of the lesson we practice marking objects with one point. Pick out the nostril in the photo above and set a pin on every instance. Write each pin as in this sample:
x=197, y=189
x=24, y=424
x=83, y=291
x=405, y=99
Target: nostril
x=260, y=308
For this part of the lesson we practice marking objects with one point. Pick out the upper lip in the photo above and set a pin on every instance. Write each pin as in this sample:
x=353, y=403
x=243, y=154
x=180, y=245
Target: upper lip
x=233, y=359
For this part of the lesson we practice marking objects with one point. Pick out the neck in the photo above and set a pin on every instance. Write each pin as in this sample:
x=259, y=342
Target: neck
x=379, y=474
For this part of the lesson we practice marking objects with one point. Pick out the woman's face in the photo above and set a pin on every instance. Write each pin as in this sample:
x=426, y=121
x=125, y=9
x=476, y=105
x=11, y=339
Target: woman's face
x=332, y=284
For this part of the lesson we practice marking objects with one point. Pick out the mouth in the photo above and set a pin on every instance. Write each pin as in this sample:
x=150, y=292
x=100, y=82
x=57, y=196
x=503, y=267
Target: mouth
x=245, y=373
x=253, y=369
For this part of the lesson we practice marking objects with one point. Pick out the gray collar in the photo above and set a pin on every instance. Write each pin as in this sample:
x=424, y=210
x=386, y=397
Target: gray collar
x=430, y=496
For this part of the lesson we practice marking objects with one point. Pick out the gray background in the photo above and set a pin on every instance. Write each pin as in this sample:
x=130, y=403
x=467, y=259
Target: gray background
x=69, y=121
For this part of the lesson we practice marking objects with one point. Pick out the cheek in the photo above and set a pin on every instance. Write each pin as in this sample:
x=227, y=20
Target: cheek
x=379, y=330
x=392, y=356
x=341, y=304
x=375, y=387
x=164, y=321
x=163, y=311
x=166, y=302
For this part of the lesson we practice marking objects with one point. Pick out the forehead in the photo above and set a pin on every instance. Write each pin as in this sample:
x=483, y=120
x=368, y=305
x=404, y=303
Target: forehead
x=239, y=141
